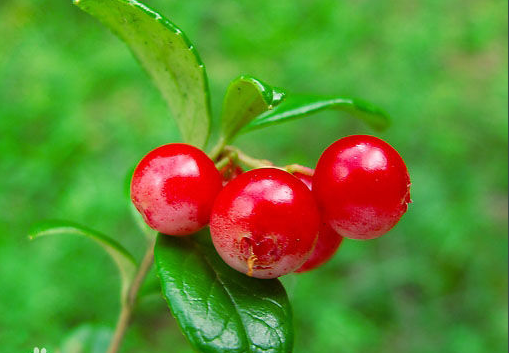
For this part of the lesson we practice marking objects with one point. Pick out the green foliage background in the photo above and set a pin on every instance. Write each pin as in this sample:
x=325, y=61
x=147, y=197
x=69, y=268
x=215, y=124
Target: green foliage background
x=76, y=112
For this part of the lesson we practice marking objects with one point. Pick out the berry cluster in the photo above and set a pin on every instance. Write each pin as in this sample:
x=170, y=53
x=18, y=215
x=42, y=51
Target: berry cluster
x=268, y=222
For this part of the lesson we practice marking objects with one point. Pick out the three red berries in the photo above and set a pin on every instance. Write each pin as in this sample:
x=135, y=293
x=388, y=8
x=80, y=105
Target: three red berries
x=267, y=222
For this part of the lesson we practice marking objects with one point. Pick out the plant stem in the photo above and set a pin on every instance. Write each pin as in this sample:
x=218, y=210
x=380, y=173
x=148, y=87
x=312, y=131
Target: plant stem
x=229, y=153
x=223, y=162
x=297, y=168
x=130, y=300
x=248, y=160
x=218, y=149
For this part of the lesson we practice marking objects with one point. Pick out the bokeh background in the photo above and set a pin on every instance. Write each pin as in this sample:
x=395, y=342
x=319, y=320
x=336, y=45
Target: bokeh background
x=77, y=112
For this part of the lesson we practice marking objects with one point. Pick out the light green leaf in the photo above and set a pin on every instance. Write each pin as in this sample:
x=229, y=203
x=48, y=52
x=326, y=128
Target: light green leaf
x=246, y=98
x=167, y=55
x=294, y=107
x=122, y=258
x=219, y=309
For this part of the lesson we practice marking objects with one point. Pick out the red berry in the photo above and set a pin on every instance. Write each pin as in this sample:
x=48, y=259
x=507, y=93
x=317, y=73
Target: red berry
x=265, y=223
x=328, y=240
x=326, y=246
x=362, y=187
x=174, y=188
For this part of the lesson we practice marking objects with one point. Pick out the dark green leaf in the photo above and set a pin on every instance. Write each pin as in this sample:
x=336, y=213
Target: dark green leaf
x=218, y=308
x=87, y=339
x=167, y=55
x=294, y=107
x=122, y=258
x=246, y=98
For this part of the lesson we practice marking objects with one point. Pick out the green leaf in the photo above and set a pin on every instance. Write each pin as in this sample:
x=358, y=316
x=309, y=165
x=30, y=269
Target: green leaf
x=246, y=98
x=218, y=308
x=167, y=55
x=122, y=258
x=87, y=339
x=294, y=107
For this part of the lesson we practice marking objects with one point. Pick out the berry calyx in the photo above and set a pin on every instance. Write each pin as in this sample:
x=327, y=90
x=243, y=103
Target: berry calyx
x=230, y=171
x=174, y=188
x=328, y=240
x=362, y=187
x=265, y=223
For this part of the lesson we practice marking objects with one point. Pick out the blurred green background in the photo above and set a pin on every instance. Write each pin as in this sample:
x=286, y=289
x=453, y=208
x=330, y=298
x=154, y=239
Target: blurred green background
x=76, y=112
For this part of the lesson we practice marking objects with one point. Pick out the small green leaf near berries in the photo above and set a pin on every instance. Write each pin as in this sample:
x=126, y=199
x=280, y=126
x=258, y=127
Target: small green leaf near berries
x=167, y=55
x=245, y=99
x=299, y=106
x=122, y=258
x=218, y=308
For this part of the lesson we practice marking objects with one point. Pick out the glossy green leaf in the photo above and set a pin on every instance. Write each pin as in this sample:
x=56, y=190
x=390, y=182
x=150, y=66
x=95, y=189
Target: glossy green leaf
x=167, y=55
x=294, y=107
x=122, y=258
x=218, y=308
x=87, y=339
x=245, y=99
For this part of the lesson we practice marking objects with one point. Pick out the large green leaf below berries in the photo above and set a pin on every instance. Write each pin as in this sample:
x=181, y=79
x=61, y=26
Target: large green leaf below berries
x=122, y=258
x=299, y=106
x=167, y=55
x=218, y=308
x=245, y=99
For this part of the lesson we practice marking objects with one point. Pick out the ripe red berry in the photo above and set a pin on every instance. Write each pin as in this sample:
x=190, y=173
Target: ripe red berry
x=265, y=223
x=328, y=240
x=362, y=187
x=174, y=188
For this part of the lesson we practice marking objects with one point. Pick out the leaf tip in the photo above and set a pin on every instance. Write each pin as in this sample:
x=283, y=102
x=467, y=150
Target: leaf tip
x=34, y=230
x=386, y=123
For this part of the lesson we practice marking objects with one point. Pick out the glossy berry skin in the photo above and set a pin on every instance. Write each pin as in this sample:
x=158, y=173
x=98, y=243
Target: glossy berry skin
x=265, y=223
x=328, y=240
x=174, y=188
x=362, y=187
